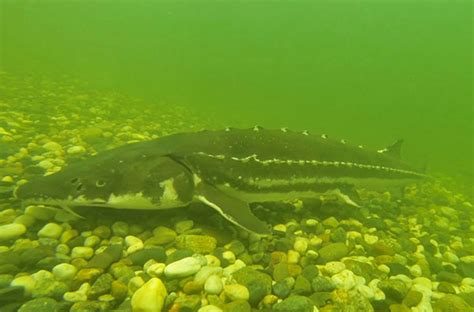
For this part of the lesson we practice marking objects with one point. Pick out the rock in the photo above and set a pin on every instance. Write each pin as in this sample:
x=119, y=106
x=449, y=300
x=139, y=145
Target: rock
x=11, y=231
x=120, y=228
x=64, y=271
x=11, y=294
x=82, y=252
x=237, y=306
x=205, y=272
x=201, y=244
x=25, y=281
x=178, y=255
x=333, y=267
x=449, y=277
x=51, y=230
x=344, y=279
x=101, y=286
x=258, y=283
x=300, y=245
x=394, y=288
x=79, y=295
x=302, y=286
x=140, y=257
x=76, y=150
x=102, y=232
x=310, y=272
x=446, y=287
x=236, y=292
x=210, y=308
x=186, y=303
x=150, y=297
x=183, y=226
x=185, y=267
x=322, y=284
x=280, y=271
x=40, y=305
x=83, y=306
x=333, y=252
x=111, y=254
x=283, y=287
x=399, y=308
x=162, y=235
x=412, y=298
x=53, y=147
x=119, y=290
x=294, y=304
x=451, y=303
x=213, y=285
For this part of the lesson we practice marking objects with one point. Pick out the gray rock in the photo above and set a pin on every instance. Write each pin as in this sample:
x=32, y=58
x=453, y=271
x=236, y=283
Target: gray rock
x=333, y=252
x=294, y=304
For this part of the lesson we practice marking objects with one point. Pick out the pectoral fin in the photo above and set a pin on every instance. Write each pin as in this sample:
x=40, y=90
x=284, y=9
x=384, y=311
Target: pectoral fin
x=233, y=209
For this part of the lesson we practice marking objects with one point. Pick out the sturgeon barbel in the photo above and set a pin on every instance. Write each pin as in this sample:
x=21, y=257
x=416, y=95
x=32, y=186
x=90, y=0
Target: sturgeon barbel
x=225, y=169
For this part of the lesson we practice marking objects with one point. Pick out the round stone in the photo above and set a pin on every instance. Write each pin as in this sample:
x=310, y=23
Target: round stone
x=51, y=230
x=64, y=271
x=82, y=252
x=150, y=297
x=213, y=285
x=301, y=245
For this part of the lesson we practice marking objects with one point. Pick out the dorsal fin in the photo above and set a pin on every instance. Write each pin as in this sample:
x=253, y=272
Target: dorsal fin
x=393, y=150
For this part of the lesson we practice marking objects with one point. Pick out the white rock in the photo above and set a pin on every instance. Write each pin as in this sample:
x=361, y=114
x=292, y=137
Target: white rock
x=236, y=292
x=210, y=308
x=150, y=297
x=205, y=272
x=64, y=271
x=82, y=252
x=76, y=150
x=27, y=281
x=51, y=230
x=230, y=269
x=300, y=245
x=78, y=295
x=185, y=267
x=11, y=231
x=213, y=285
x=333, y=267
x=344, y=279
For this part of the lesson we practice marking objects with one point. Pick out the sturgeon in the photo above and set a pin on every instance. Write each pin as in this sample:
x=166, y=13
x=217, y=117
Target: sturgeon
x=224, y=169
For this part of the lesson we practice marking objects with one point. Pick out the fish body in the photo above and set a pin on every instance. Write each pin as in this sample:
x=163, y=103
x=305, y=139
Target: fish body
x=226, y=170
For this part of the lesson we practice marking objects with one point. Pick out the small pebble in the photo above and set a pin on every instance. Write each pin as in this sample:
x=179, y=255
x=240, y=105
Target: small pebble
x=185, y=267
x=64, y=271
x=150, y=297
x=82, y=252
x=11, y=231
x=236, y=292
x=213, y=285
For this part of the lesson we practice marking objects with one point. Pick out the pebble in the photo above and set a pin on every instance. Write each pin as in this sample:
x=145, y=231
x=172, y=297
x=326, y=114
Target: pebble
x=120, y=228
x=51, y=230
x=230, y=269
x=201, y=244
x=183, y=226
x=185, y=267
x=76, y=150
x=26, y=281
x=213, y=285
x=229, y=256
x=40, y=305
x=134, y=244
x=92, y=241
x=370, y=239
x=150, y=297
x=82, y=252
x=210, y=308
x=294, y=304
x=333, y=252
x=64, y=271
x=156, y=269
x=46, y=164
x=163, y=235
x=300, y=245
x=79, y=295
x=344, y=279
x=293, y=257
x=205, y=272
x=333, y=267
x=53, y=146
x=236, y=292
x=11, y=231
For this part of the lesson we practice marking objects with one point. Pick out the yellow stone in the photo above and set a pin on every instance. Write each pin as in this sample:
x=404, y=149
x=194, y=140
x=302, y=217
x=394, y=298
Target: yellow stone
x=150, y=297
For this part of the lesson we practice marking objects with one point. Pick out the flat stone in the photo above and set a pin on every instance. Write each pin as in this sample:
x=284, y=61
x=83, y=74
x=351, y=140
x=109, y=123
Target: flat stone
x=101, y=286
x=162, y=235
x=184, y=267
x=40, y=305
x=412, y=298
x=449, y=277
x=394, y=288
x=322, y=284
x=111, y=254
x=283, y=288
x=11, y=231
x=451, y=303
x=156, y=253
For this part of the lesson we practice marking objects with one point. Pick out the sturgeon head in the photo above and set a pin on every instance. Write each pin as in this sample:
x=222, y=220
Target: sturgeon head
x=120, y=178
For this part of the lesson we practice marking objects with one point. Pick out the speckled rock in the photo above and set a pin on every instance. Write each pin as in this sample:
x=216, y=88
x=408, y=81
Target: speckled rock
x=111, y=254
x=202, y=244
x=258, y=283
x=40, y=305
x=101, y=286
x=294, y=304
x=322, y=284
x=394, y=288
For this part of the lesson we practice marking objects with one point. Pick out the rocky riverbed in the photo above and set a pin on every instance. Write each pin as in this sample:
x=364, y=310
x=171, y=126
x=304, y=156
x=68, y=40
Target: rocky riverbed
x=413, y=252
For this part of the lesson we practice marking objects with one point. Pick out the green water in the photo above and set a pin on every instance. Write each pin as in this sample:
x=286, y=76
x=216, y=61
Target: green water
x=366, y=71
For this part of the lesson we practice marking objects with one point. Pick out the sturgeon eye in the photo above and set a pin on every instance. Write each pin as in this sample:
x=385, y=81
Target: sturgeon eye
x=100, y=183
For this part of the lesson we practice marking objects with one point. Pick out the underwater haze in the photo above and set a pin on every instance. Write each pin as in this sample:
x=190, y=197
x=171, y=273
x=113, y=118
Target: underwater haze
x=370, y=72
